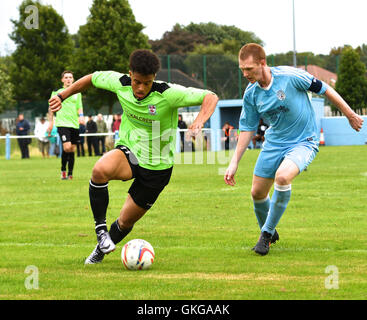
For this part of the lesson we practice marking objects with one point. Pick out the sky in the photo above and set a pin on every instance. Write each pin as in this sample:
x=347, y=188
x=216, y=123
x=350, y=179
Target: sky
x=320, y=25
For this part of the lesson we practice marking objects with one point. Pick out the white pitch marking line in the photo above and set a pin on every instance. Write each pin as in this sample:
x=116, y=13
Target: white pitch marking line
x=53, y=245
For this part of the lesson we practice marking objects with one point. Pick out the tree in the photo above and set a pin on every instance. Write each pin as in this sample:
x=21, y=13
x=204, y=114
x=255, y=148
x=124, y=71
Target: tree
x=106, y=42
x=218, y=33
x=352, y=82
x=177, y=41
x=7, y=88
x=42, y=53
x=209, y=52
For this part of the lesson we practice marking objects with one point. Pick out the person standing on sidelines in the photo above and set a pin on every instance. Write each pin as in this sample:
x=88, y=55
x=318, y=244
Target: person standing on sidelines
x=101, y=128
x=40, y=132
x=22, y=129
x=279, y=95
x=67, y=123
x=92, y=141
x=80, y=145
x=182, y=125
x=146, y=145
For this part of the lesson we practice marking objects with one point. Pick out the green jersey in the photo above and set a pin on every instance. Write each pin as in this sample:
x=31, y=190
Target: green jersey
x=68, y=115
x=148, y=126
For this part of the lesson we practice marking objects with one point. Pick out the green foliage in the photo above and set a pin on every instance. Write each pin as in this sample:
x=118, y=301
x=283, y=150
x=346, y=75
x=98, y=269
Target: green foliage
x=7, y=88
x=182, y=40
x=209, y=52
x=218, y=33
x=106, y=42
x=41, y=54
x=303, y=58
x=352, y=81
x=178, y=41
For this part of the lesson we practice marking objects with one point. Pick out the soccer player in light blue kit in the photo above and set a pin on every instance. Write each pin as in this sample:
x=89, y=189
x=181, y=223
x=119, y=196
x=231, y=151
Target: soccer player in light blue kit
x=279, y=96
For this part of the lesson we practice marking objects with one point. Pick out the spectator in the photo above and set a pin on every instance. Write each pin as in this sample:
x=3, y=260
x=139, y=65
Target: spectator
x=101, y=128
x=80, y=145
x=22, y=129
x=52, y=138
x=41, y=133
x=116, y=124
x=182, y=125
x=259, y=136
x=114, y=119
x=227, y=129
x=92, y=140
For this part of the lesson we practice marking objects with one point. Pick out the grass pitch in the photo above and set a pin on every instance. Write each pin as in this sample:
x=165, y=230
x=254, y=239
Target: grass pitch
x=202, y=232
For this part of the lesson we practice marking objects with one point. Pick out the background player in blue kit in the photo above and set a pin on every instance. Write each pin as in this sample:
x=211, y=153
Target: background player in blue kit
x=279, y=96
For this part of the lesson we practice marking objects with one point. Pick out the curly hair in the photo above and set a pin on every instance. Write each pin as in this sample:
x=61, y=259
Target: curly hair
x=144, y=62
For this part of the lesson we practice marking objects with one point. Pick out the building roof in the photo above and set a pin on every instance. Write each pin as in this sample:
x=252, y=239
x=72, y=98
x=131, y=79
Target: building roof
x=321, y=74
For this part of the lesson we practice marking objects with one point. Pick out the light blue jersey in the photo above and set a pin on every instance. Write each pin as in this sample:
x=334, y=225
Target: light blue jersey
x=284, y=105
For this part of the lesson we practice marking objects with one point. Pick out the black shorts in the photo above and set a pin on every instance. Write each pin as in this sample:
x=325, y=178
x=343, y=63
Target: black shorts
x=148, y=184
x=69, y=135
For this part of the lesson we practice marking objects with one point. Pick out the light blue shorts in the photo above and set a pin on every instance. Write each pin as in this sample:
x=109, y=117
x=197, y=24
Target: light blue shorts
x=271, y=156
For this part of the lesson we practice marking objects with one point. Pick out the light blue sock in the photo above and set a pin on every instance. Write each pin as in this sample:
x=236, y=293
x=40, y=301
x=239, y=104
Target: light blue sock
x=278, y=204
x=261, y=208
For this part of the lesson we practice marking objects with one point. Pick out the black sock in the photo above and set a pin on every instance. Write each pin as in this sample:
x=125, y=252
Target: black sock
x=117, y=234
x=64, y=160
x=98, y=196
x=71, y=163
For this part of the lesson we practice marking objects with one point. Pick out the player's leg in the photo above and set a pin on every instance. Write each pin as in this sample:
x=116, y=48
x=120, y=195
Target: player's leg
x=129, y=215
x=67, y=148
x=263, y=179
x=264, y=174
x=70, y=148
x=260, y=196
x=67, y=159
x=296, y=159
x=112, y=166
x=65, y=139
x=143, y=193
x=287, y=171
x=285, y=174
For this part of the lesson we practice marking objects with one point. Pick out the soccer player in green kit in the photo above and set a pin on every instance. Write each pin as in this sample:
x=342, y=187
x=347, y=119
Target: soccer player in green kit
x=146, y=145
x=67, y=123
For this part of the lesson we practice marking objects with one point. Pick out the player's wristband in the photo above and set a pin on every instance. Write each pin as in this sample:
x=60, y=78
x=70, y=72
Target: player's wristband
x=81, y=115
x=61, y=98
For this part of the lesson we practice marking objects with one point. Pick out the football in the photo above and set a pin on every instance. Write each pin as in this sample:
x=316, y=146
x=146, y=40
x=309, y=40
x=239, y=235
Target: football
x=137, y=254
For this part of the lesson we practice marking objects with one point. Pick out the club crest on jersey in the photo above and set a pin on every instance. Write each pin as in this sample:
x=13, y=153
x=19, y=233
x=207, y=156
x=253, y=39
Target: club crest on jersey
x=152, y=110
x=281, y=95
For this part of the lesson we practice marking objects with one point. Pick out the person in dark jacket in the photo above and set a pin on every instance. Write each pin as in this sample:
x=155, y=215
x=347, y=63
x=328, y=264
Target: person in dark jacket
x=80, y=144
x=22, y=129
x=92, y=141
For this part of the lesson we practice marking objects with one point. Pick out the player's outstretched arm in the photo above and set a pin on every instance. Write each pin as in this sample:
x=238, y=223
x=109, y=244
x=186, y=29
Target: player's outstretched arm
x=207, y=108
x=355, y=121
x=78, y=86
x=242, y=144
